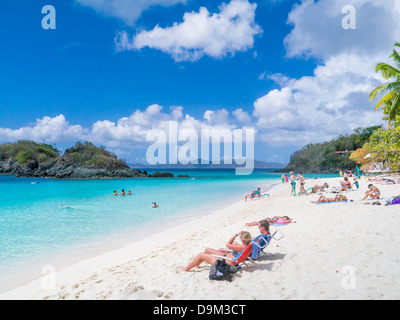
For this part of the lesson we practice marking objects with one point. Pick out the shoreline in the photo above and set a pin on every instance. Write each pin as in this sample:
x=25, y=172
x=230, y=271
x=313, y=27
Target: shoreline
x=335, y=237
x=68, y=257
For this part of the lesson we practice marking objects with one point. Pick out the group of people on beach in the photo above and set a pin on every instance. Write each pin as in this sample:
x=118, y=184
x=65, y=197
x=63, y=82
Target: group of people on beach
x=233, y=249
x=373, y=193
x=293, y=181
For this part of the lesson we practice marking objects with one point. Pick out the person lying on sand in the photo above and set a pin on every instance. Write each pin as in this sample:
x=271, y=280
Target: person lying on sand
x=253, y=194
x=372, y=192
x=274, y=220
x=207, y=255
x=322, y=198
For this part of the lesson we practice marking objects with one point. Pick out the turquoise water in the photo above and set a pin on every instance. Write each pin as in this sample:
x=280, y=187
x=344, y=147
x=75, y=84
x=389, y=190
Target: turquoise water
x=33, y=222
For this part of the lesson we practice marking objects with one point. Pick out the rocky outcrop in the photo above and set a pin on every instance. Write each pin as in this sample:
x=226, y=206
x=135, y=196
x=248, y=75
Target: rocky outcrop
x=161, y=175
x=83, y=161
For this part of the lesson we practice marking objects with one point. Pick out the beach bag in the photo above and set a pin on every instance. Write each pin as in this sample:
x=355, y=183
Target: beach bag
x=396, y=200
x=220, y=271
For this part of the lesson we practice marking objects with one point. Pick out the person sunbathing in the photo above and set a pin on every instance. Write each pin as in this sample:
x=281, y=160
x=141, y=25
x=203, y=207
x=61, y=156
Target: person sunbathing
x=345, y=185
x=322, y=198
x=274, y=220
x=207, y=255
x=372, y=192
x=253, y=194
x=318, y=188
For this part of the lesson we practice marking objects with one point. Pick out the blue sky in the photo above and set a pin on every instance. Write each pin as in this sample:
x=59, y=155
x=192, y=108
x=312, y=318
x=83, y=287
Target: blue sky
x=286, y=68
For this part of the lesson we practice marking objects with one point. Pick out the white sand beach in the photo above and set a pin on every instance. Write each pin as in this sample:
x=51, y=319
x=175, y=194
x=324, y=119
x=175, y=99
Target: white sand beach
x=333, y=251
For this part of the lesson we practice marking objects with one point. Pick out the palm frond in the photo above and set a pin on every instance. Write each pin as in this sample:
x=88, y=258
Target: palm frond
x=396, y=56
x=395, y=107
x=386, y=100
x=387, y=70
x=382, y=88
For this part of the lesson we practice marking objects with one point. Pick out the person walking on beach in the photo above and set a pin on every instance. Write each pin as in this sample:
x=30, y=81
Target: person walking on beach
x=302, y=181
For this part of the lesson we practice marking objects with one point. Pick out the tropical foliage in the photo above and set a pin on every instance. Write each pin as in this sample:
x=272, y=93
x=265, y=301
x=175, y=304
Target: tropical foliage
x=86, y=154
x=384, y=147
x=390, y=102
x=28, y=153
x=323, y=157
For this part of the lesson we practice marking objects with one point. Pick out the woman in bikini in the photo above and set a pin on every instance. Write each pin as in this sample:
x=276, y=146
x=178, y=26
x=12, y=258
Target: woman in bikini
x=373, y=193
x=338, y=198
x=272, y=221
x=302, y=181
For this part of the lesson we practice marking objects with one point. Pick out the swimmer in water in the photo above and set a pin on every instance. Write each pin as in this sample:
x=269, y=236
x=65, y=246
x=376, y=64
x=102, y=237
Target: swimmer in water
x=67, y=207
x=154, y=205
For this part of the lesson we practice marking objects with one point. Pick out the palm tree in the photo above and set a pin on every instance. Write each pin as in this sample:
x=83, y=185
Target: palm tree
x=390, y=102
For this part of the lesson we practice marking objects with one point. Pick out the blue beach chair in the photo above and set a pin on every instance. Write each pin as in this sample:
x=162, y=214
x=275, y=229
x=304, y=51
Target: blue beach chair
x=261, y=242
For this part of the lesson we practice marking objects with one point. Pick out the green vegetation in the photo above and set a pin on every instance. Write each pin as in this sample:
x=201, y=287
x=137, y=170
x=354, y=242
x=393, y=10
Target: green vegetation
x=84, y=160
x=373, y=147
x=383, y=147
x=390, y=102
x=322, y=157
x=87, y=155
x=28, y=153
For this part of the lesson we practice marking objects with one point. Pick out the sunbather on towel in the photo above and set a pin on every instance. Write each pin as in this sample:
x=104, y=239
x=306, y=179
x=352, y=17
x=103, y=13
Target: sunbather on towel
x=372, y=192
x=274, y=220
x=322, y=198
x=207, y=255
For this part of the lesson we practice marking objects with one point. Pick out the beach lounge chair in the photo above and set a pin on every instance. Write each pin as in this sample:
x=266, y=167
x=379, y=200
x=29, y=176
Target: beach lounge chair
x=253, y=250
x=239, y=259
x=263, y=242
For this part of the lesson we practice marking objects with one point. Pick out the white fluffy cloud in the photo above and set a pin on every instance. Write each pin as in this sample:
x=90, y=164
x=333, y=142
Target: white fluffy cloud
x=127, y=133
x=317, y=28
x=201, y=33
x=49, y=129
x=126, y=10
x=334, y=100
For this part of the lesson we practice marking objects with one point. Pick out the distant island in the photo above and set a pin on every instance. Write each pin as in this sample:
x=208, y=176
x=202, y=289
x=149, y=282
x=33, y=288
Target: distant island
x=208, y=165
x=82, y=161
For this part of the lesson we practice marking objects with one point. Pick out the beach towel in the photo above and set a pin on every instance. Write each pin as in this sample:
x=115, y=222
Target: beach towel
x=396, y=200
x=281, y=222
x=332, y=202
